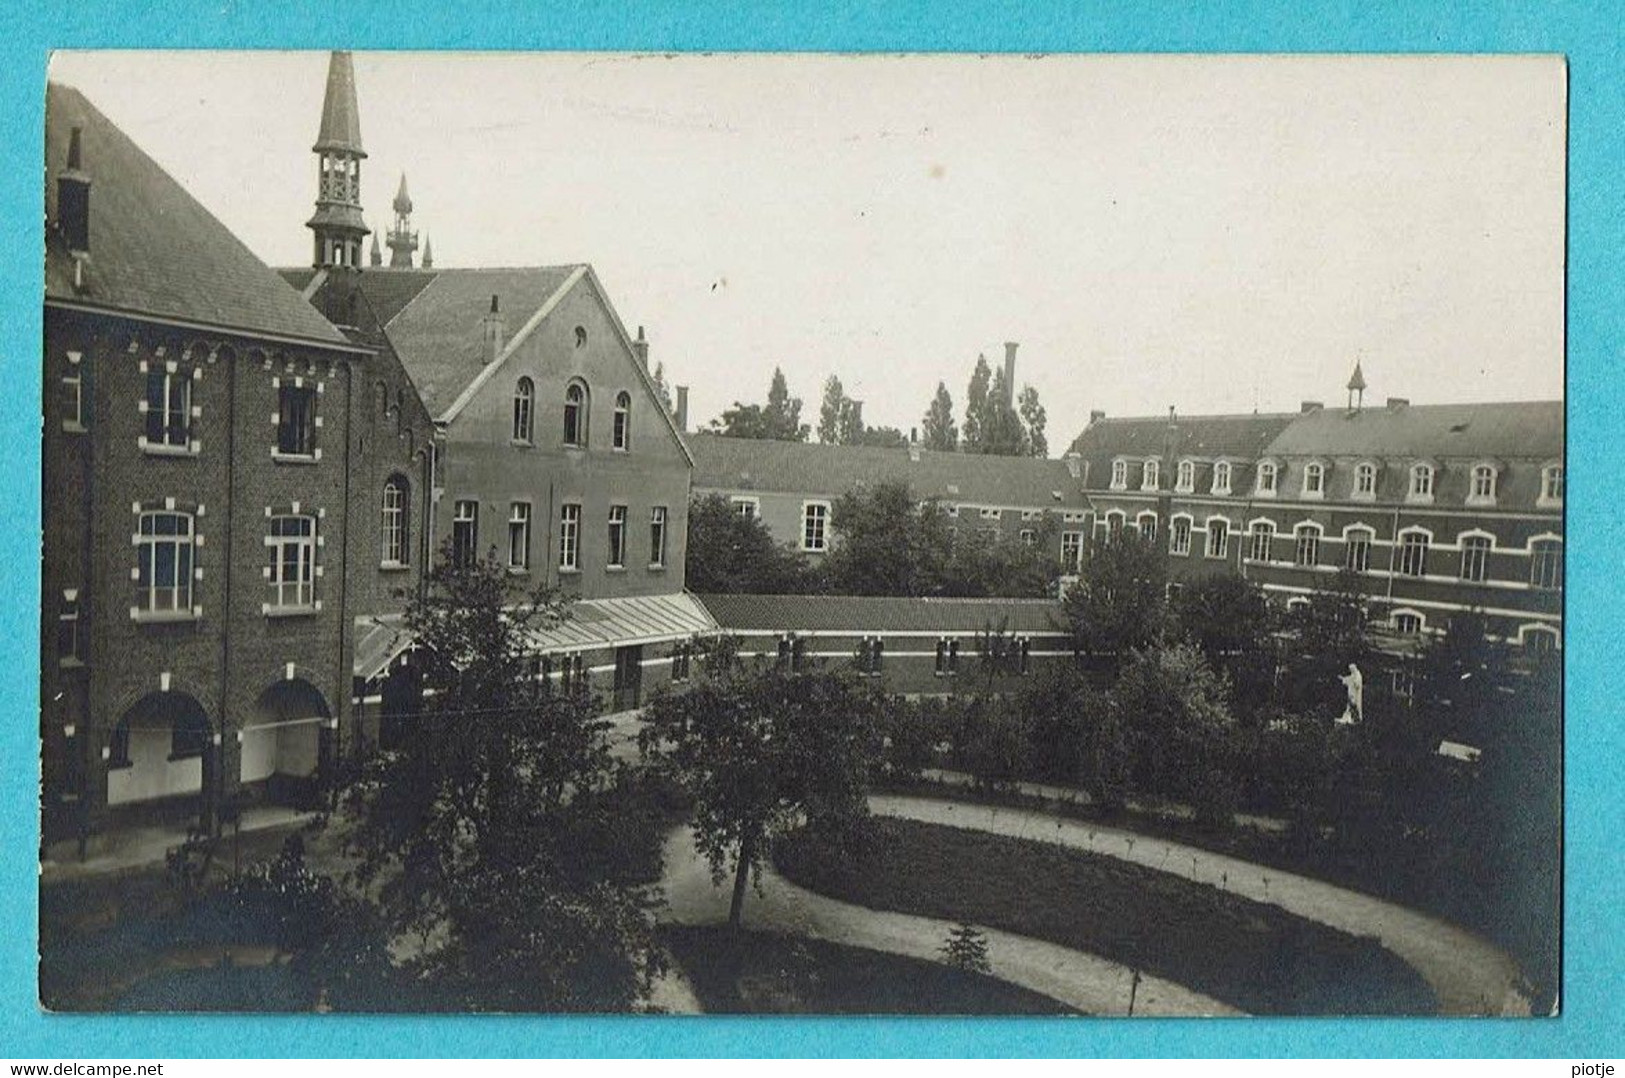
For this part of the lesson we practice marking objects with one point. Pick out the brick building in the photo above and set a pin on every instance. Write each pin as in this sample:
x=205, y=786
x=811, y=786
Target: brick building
x=555, y=451
x=208, y=441
x=792, y=488
x=1442, y=509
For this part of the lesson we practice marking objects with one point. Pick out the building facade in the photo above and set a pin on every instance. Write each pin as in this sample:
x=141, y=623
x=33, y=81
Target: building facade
x=1440, y=510
x=554, y=451
x=792, y=487
x=204, y=431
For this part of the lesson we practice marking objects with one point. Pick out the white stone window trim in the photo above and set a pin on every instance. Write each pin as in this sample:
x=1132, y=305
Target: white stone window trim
x=1253, y=531
x=197, y=512
x=1223, y=477
x=1552, y=469
x=1272, y=469
x=1119, y=473
x=1151, y=474
x=1529, y=629
x=809, y=542
x=737, y=501
x=1317, y=469
x=1414, y=482
x=1355, y=493
x=1207, y=529
x=1185, y=476
x=1474, y=472
x=1174, y=534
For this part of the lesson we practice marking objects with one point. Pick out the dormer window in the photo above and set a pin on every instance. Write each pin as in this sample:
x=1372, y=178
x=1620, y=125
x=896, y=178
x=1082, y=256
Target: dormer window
x=1482, y=490
x=1185, y=477
x=1152, y=476
x=1421, y=488
x=1267, y=474
x=1119, y=474
x=1551, y=485
x=1365, y=480
x=1221, y=477
x=1314, y=480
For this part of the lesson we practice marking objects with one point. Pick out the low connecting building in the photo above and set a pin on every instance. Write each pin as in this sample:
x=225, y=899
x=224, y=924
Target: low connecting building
x=210, y=447
x=792, y=488
x=1441, y=510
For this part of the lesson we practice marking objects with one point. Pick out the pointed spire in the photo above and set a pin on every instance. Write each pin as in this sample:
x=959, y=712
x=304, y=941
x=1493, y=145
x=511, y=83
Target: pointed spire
x=403, y=201
x=428, y=252
x=1356, y=387
x=377, y=256
x=341, y=118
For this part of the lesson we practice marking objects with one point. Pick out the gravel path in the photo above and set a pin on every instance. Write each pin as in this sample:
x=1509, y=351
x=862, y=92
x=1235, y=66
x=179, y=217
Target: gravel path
x=1469, y=975
x=1084, y=981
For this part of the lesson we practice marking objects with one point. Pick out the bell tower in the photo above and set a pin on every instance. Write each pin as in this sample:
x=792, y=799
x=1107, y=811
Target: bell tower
x=337, y=225
x=403, y=242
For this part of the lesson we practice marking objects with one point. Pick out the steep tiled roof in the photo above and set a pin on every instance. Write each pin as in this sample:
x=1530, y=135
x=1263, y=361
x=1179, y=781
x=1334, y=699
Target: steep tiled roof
x=154, y=249
x=803, y=467
x=433, y=318
x=1240, y=436
x=853, y=613
x=1527, y=429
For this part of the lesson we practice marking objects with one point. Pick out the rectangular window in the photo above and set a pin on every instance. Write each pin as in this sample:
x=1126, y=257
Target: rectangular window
x=815, y=526
x=1179, y=536
x=164, y=562
x=786, y=644
x=682, y=658
x=617, y=536
x=1475, y=558
x=749, y=508
x=465, y=532
x=1413, y=554
x=1218, y=538
x=1357, y=551
x=1072, y=553
x=1148, y=526
x=169, y=408
x=69, y=642
x=73, y=394
x=1024, y=656
x=293, y=561
x=296, y=421
x=947, y=657
x=570, y=537
x=519, y=536
x=1029, y=537
x=657, y=536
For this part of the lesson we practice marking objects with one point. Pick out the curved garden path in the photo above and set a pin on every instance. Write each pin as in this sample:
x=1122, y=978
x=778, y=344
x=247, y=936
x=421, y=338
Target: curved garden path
x=1084, y=981
x=1468, y=974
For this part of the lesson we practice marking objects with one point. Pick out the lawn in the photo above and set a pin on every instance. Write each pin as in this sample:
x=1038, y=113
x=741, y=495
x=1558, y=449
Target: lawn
x=1248, y=954
x=764, y=973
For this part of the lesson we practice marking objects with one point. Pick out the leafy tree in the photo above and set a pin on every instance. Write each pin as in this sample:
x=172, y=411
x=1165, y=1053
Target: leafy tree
x=966, y=949
x=1178, y=710
x=662, y=390
x=1117, y=603
x=889, y=546
x=976, y=397
x=1004, y=566
x=728, y=552
x=881, y=438
x=488, y=834
x=779, y=420
x=1325, y=636
x=1001, y=433
x=759, y=749
x=1078, y=735
x=833, y=420
x=937, y=429
x=1033, y=418
x=995, y=742
x=1228, y=618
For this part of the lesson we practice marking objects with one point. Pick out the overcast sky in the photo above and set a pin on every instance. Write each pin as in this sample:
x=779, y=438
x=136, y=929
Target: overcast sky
x=1220, y=234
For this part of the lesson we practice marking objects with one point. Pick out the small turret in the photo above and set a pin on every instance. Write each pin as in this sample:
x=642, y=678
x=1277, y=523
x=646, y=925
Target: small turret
x=337, y=224
x=403, y=242
x=1356, y=388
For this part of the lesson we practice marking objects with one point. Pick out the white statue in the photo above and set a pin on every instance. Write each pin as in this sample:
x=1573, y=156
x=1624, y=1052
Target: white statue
x=1354, y=682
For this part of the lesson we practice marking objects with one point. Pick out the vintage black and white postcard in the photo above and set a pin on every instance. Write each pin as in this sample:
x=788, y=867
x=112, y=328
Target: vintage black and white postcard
x=802, y=534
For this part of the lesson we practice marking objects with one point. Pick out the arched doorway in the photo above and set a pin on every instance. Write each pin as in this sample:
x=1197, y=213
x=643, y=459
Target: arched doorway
x=284, y=741
x=161, y=747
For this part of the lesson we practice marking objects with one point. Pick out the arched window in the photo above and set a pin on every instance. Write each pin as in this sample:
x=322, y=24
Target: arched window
x=1147, y=523
x=1357, y=541
x=1221, y=477
x=1185, y=480
x=1413, y=553
x=623, y=421
x=1114, y=525
x=1119, y=474
x=524, y=405
x=397, y=499
x=1551, y=485
x=1408, y=622
x=576, y=405
x=1546, y=564
x=1475, y=557
x=1150, y=475
x=1482, y=492
x=1179, y=535
x=1267, y=473
x=1308, y=544
x=1259, y=540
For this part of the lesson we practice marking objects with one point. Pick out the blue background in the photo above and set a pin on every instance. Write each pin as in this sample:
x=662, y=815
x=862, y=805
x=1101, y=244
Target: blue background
x=1588, y=33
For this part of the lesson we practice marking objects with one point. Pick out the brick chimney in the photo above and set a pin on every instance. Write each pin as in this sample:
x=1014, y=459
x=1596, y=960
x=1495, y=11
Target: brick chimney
x=1096, y=416
x=73, y=207
x=641, y=347
x=1010, y=373
x=1397, y=403
x=1074, y=465
x=494, y=331
x=1310, y=406
x=682, y=409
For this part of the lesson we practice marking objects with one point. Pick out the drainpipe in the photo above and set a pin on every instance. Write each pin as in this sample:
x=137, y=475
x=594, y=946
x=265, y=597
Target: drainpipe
x=218, y=779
